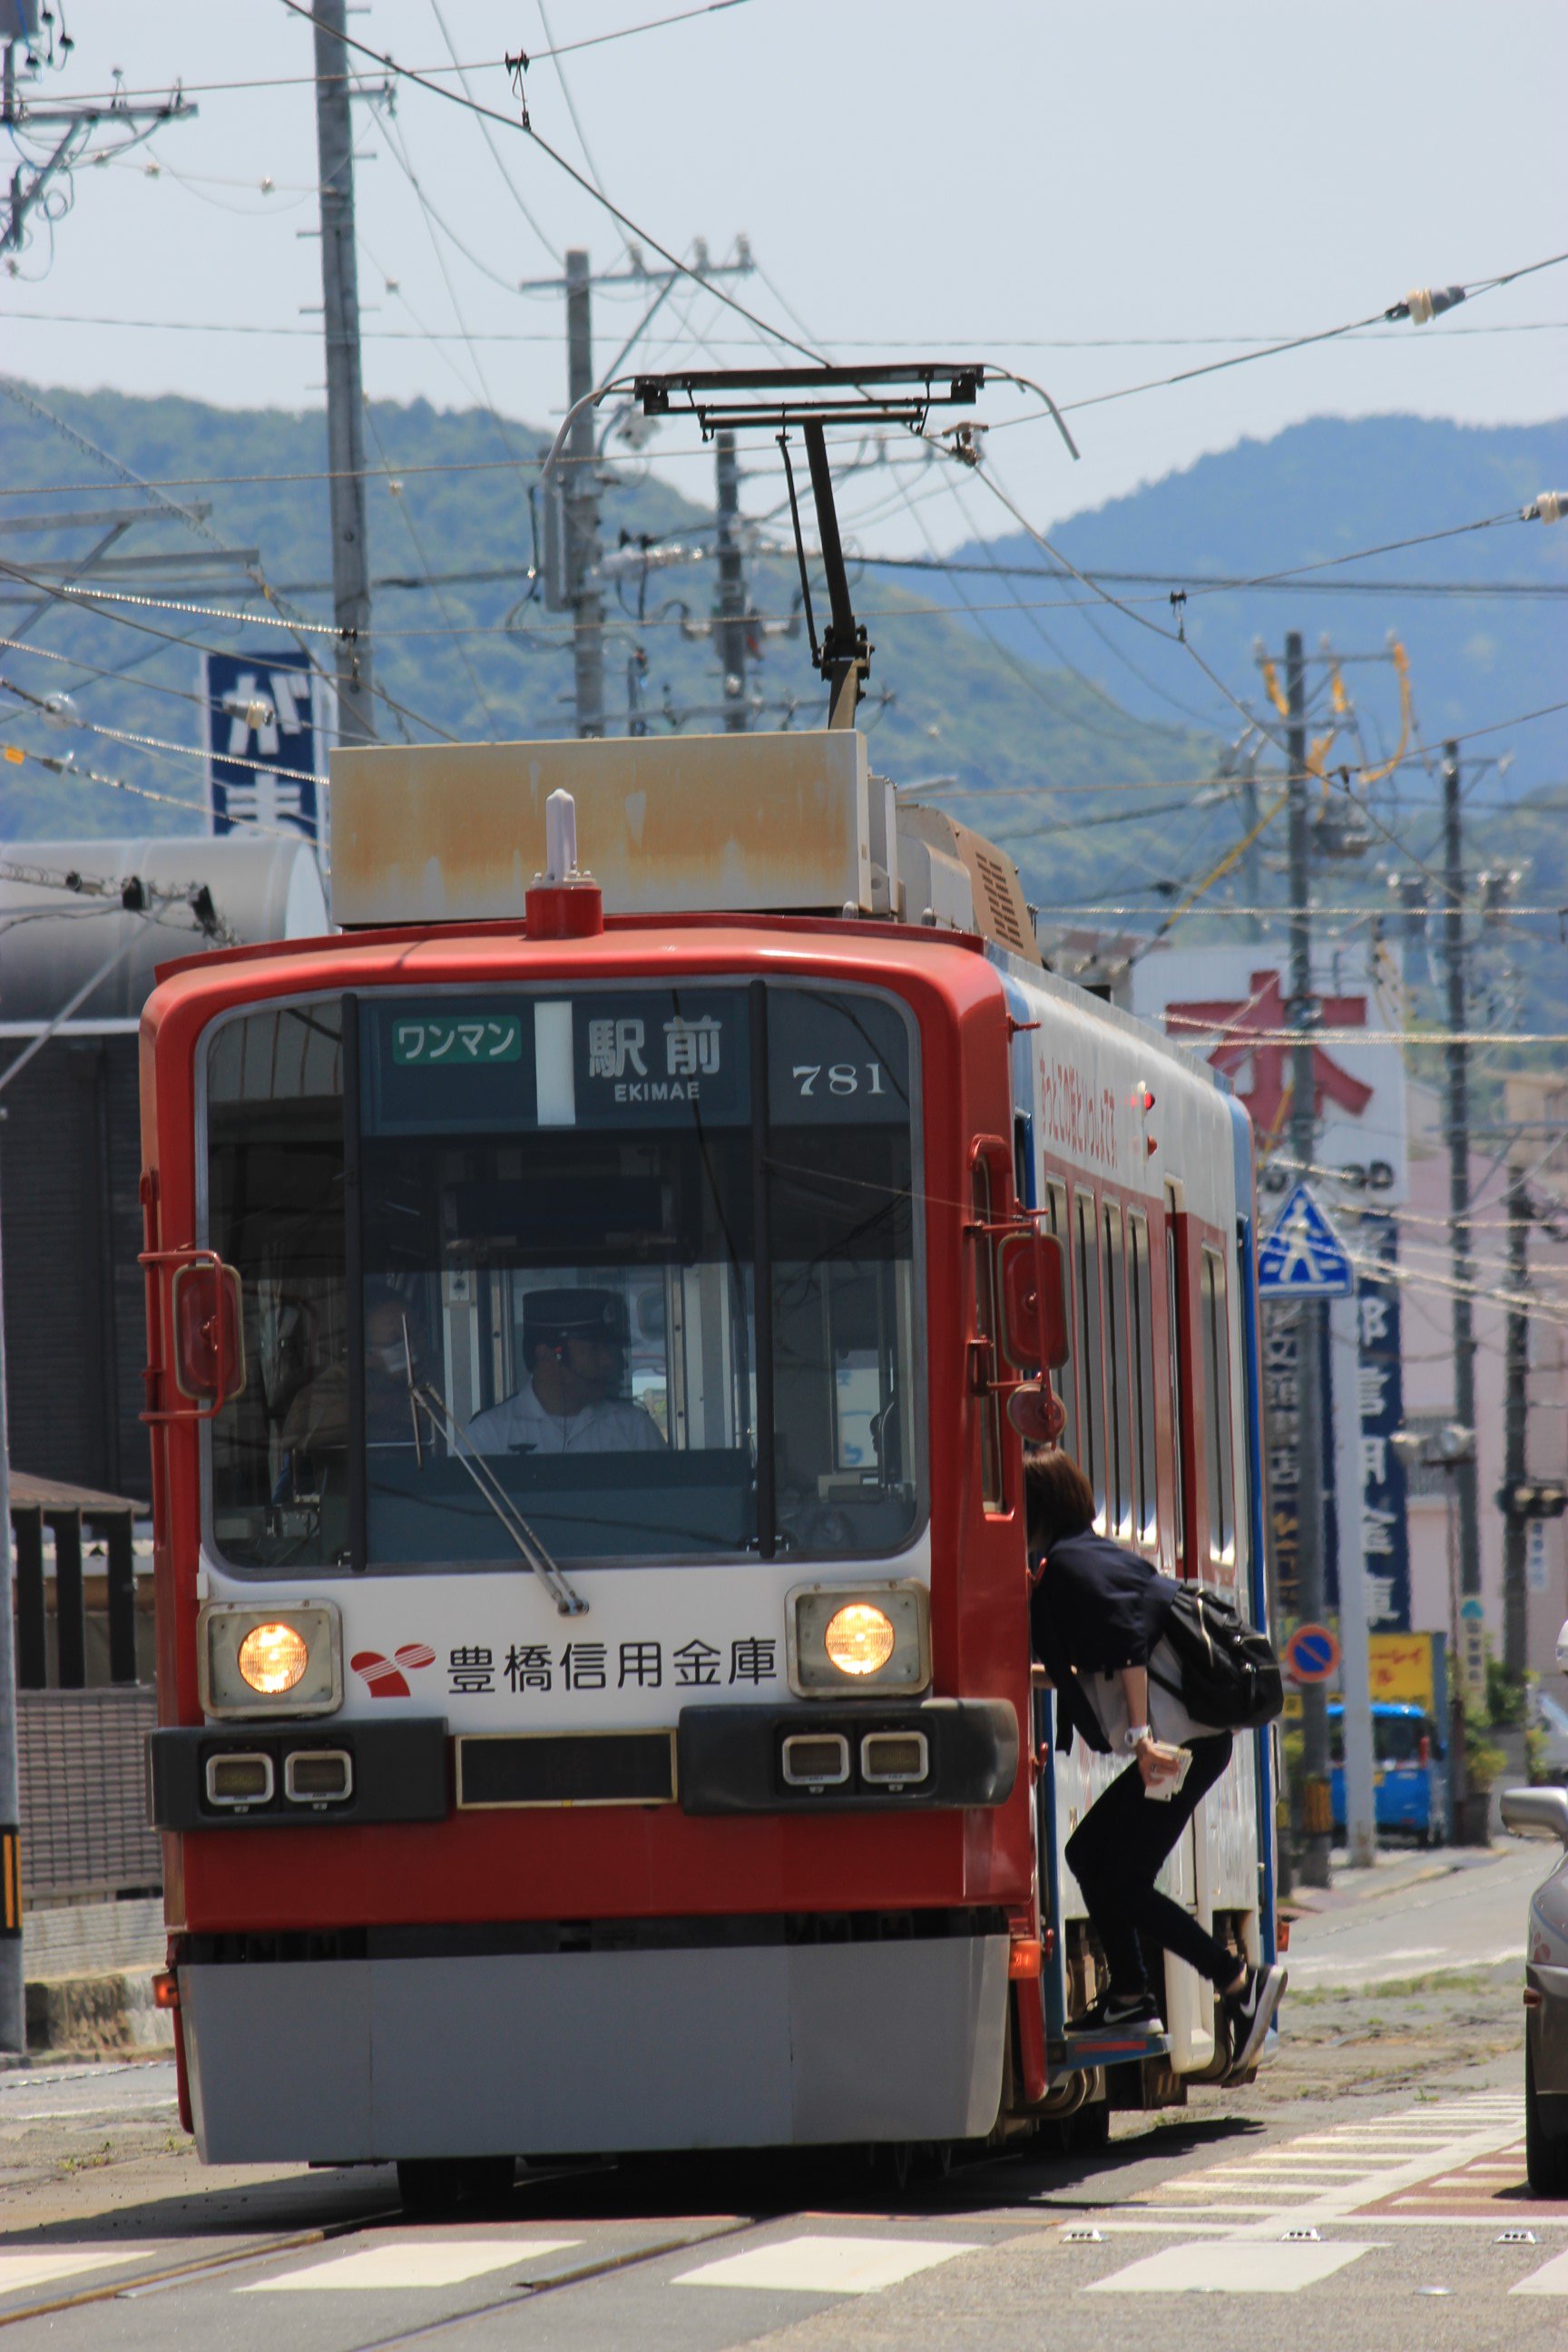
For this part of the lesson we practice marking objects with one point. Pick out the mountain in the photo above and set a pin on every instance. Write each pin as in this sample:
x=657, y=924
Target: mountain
x=1318, y=492
x=1020, y=747
x=1036, y=722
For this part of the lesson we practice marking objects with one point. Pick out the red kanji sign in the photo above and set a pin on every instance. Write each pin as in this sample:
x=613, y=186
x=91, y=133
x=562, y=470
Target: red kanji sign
x=1238, y=1026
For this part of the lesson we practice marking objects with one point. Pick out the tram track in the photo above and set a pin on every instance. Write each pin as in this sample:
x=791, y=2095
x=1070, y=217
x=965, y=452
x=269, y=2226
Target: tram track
x=175, y=2276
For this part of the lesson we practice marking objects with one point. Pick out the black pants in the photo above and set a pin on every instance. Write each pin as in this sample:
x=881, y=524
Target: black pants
x=1116, y=1853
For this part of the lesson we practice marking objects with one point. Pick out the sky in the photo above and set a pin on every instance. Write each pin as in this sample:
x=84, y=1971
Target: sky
x=1067, y=191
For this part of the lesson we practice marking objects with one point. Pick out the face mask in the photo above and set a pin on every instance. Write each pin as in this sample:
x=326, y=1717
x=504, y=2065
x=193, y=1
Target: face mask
x=391, y=1357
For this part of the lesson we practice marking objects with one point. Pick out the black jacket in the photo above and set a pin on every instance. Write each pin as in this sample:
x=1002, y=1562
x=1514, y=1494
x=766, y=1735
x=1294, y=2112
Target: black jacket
x=1097, y=1607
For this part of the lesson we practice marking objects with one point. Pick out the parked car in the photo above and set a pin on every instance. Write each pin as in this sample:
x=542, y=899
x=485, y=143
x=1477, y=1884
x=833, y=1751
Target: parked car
x=1549, y=1717
x=1407, y=1755
x=1543, y=1813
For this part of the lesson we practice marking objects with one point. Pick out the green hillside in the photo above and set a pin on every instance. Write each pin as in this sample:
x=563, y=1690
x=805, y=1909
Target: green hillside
x=1027, y=751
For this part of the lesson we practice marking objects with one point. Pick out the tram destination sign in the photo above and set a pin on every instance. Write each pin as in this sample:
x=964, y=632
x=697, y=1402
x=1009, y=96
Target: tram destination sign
x=633, y=1058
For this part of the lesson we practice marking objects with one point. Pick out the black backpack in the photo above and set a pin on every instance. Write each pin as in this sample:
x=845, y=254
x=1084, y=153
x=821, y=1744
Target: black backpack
x=1230, y=1676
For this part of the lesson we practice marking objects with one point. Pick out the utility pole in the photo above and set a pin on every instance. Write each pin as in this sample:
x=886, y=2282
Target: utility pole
x=580, y=504
x=730, y=611
x=345, y=392
x=1515, y=1427
x=75, y=121
x=1311, y=1593
x=1456, y=1059
x=572, y=579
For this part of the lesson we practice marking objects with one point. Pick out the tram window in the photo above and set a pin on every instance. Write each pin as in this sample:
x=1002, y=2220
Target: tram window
x=1141, y=1324
x=1090, y=1369
x=1218, y=1457
x=275, y=1211
x=1118, y=1371
x=570, y=1210
x=1057, y=1224
x=985, y=1326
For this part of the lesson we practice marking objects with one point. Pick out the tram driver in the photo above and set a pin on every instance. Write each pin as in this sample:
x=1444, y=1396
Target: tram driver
x=573, y=1343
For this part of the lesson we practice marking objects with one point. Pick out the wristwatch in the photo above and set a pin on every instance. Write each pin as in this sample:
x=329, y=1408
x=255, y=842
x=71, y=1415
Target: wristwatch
x=1135, y=1736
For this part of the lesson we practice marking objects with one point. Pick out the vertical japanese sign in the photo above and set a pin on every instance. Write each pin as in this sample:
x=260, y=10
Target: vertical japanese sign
x=262, y=742
x=1281, y=1442
x=1384, y=1533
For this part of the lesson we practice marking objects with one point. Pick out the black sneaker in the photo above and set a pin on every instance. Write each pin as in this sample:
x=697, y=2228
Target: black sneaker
x=1115, y=2011
x=1249, y=2013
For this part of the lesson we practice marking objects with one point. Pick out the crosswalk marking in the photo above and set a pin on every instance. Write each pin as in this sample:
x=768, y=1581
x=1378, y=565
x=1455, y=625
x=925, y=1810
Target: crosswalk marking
x=1432, y=2154
x=828, y=2265
x=411, y=2262
x=1230, y=2267
x=37, y=2269
x=1552, y=2278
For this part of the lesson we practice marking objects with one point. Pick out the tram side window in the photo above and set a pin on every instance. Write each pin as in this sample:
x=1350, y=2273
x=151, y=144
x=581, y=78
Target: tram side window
x=1091, y=1368
x=1218, y=1474
x=275, y=1190
x=1057, y=1224
x=985, y=1328
x=1141, y=1322
x=1118, y=1367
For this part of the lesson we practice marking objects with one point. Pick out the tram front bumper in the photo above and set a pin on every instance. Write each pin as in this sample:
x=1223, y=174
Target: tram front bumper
x=735, y=2046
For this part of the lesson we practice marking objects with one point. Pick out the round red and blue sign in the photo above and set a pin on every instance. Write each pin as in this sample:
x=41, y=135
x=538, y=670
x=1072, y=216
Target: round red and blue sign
x=1312, y=1655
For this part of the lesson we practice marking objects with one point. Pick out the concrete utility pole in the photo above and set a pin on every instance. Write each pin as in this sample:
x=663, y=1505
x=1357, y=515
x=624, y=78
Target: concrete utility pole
x=1515, y=1427
x=580, y=504
x=730, y=611
x=345, y=391
x=1311, y=1594
x=1456, y=1058
x=75, y=120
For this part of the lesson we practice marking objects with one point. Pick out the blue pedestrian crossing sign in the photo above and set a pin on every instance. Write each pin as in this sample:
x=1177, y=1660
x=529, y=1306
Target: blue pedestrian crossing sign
x=1301, y=1255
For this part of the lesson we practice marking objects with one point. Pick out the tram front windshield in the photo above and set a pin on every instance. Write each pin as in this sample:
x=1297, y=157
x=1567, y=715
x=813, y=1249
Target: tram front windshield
x=642, y=1260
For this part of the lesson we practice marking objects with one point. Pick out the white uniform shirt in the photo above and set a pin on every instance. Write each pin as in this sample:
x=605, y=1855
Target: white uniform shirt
x=607, y=1425
x=1168, y=1718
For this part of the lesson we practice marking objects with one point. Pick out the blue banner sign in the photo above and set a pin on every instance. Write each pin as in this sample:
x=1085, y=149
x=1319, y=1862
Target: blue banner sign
x=263, y=752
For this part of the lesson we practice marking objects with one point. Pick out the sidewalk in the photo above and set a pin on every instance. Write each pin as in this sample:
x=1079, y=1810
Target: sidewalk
x=1391, y=1873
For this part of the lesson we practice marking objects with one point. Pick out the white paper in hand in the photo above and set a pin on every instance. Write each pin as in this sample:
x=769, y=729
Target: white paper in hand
x=1167, y=1785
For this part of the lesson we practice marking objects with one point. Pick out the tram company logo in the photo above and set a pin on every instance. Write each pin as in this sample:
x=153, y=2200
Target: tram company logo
x=386, y=1677
x=1080, y=1116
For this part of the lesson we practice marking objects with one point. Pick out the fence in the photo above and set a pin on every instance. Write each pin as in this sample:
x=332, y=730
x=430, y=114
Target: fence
x=84, y=1795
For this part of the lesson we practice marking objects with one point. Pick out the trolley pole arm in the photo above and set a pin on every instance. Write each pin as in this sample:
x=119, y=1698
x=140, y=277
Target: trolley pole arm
x=846, y=655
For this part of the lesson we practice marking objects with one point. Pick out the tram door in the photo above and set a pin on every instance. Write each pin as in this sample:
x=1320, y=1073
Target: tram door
x=1188, y=1876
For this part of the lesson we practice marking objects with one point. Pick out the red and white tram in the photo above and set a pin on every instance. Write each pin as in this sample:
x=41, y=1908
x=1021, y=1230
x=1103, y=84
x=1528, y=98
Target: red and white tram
x=595, y=1690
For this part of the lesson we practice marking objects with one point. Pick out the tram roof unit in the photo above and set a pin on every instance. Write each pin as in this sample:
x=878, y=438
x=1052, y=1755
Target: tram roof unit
x=787, y=824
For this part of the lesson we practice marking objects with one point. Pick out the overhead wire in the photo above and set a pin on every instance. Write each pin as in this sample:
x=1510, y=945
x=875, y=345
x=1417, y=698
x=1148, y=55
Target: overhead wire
x=488, y=137
x=525, y=128
x=1300, y=342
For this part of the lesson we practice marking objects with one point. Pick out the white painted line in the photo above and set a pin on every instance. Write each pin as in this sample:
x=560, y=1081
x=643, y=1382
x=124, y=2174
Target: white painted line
x=1552, y=2278
x=828, y=2265
x=38, y=2268
x=83, y=2114
x=413, y=2262
x=1228, y=2269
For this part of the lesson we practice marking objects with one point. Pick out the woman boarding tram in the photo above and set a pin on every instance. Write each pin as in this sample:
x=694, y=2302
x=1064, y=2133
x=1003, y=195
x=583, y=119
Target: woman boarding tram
x=1098, y=1616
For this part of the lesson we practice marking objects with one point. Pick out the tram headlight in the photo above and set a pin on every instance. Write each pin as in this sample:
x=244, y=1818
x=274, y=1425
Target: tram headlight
x=272, y=1658
x=279, y=1661
x=859, y=1638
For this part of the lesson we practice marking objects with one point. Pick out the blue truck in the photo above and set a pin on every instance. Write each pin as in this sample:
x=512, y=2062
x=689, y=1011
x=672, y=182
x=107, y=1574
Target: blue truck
x=1407, y=1756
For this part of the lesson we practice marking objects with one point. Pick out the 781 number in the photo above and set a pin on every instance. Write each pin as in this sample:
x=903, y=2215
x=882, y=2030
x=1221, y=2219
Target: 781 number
x=814, y=1079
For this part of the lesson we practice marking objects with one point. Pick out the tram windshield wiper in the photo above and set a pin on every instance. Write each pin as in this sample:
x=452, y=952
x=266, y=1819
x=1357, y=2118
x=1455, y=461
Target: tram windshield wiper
x=423, y=1397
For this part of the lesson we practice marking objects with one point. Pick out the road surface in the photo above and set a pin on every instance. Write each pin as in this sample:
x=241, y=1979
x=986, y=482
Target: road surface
x=1369, y=2190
